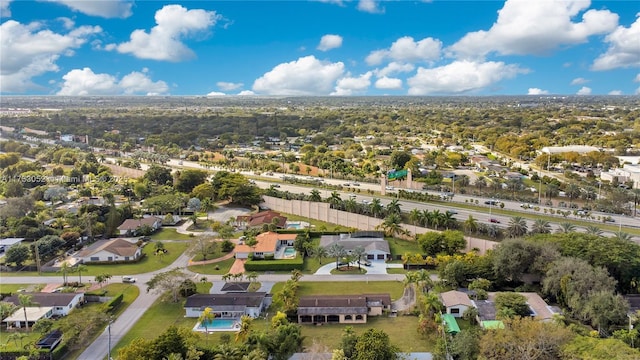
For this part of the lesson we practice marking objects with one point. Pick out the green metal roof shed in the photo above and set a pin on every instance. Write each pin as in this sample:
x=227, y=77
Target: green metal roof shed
x=452, y=324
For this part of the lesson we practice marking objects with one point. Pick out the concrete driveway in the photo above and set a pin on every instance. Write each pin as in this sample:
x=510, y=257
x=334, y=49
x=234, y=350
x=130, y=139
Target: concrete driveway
x=376, y=268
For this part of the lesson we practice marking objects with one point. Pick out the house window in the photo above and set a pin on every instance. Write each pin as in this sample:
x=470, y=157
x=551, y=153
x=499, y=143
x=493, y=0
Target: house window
x=259, y=254
x=126, y=258
x=380, y=256
x=455, y=311
x=95, y=258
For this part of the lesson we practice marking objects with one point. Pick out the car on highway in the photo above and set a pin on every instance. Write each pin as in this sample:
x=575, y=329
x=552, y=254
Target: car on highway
x=494, y=220
x=355, y=184
x=452, y=212
x=389, y=187
x=492, y=202
x=346, y=184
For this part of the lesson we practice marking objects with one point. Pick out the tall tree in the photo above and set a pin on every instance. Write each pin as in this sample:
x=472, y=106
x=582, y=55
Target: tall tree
x=374, y=344
x=168, y=281
x=206, y=318
x=26, y=301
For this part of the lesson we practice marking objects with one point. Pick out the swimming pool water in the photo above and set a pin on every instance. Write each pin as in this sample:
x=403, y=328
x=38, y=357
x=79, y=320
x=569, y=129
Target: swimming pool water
x=293, y=226
x=289, y=251
x=218, y=324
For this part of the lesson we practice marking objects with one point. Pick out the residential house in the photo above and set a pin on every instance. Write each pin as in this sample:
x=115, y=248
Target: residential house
x=269, y=243
x=373, y=242
x=261, y=218
x=6, y=243
x=343, y=309
x=48, y=305
x=131, y=227
x=456, y=302
x=109, y=250
x=540, y=310
x=229, y=305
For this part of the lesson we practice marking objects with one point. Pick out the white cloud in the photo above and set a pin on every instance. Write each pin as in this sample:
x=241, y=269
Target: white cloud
x=337, y=2
x=394, y=68
x=164, y=41
x=216, y=93
x=27, y=51
x=370, y=6
x=329, y=41
x=228, y=86
x=101, y=8
x=584, y=91
x=246, y=93
x=348, y=85
x=405, y=49
x=86, y=82
x=388, y=83
x=624, y=48
x=615, y=92
x=579, y=81
x=67, y=23
x=536, y=27
x=536, y=91
x=305, y=76
x=460, y=76
x=637, y=79
x=5, y=11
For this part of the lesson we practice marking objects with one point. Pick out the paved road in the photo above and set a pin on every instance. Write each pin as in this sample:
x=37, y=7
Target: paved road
x=119, y=328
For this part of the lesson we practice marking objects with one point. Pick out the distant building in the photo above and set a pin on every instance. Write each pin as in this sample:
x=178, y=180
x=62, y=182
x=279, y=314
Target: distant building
x=580, y=149
x=269, y=243
x=131, y=227
x=262, y=218
x=48, y=305
x=228, y=306
x=455, y=302
x=6, y=243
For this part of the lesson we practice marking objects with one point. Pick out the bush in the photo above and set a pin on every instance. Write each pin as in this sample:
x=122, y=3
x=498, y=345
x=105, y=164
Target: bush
x=187, y=288
x=227, y=246
x=113, y=303
x=274, y=265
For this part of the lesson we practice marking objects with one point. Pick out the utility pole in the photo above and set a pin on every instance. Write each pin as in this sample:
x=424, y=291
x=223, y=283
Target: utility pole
x=37, y=257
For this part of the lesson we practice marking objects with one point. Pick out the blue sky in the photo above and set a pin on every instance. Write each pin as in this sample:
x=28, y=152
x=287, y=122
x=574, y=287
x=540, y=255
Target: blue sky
x=329, y=47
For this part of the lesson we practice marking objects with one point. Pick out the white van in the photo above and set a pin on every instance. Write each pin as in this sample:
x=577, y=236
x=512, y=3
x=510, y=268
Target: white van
x=128, y=279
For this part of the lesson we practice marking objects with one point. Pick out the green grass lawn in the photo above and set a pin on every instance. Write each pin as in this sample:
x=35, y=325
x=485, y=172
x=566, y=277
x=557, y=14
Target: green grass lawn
x=219, y=268
x=396, y=271
x=318, y=224
x=170, y=234
x=216, y=254
x=394, y=288
x=150, y=263
x=201, y=225
x=402, y=331
x=13, y=288
x=129, y=294
x=351, y=270
x=18, y=345
x=399, y=247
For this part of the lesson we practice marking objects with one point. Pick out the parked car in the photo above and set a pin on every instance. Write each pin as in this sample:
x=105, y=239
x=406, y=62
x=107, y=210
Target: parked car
x=493, y=220
x=128, y=279
x=355, y=184
x=389, y=187
x=492, y=202
x=364, y=262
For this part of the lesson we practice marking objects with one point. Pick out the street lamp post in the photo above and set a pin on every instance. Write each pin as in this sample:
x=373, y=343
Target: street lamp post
x=109, y=340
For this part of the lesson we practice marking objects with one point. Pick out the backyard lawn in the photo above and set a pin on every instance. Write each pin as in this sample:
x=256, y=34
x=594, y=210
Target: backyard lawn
x=317, y=223
x=400, y=247
x=394, y=288
x=13, y=288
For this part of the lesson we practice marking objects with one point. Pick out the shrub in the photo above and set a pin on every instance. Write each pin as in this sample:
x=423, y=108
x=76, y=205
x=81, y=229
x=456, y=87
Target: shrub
x=113, y=303
x=274, y=265
x=187, y=288
x=227, y=246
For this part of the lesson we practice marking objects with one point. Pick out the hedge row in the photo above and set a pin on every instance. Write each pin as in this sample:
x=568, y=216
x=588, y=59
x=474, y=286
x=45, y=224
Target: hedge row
x=113, y=303
x=274, y=265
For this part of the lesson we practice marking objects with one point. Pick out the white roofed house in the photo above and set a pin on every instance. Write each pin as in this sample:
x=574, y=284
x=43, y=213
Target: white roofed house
x=109, y=250
x=131, y=227
x=373, y=242
x=456, y=302
x=229, y=305
x=46, y=305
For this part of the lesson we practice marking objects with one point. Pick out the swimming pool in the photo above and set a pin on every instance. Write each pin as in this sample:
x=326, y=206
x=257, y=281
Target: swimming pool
x=289, y=252
x=293, y=226
x=217, y=325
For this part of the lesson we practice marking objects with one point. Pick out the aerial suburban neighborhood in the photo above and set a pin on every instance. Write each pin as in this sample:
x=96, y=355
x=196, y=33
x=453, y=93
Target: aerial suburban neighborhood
x=432, y=246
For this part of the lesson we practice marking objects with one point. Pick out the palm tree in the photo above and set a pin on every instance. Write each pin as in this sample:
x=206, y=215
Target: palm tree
x=315, y=195
x=337, y=251
x=64, y=269
x=541, y=226
x=358, y=253
x=573, y=191
x=493, y=231
x=252, y=276
x=227, y=352
x=226, y=277
x=470, y=225
x=335, y=200
x=448, y=220
x=622, y=236
x=517, y=227
x=481, y=182
x=376, y=207
x=393, y=207
x=320, y=252
x=566, y=228
x=245, y=328
x=423, y=280
x=593, y=230
x=436, y=218
x=26, y=301
x=350, y=204
x=415, y=215
x=391, y=225
x=80, y=268
x=205, y=318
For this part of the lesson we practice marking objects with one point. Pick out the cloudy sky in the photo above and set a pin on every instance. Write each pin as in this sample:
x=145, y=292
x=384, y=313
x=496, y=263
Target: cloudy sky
x=324, y=47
